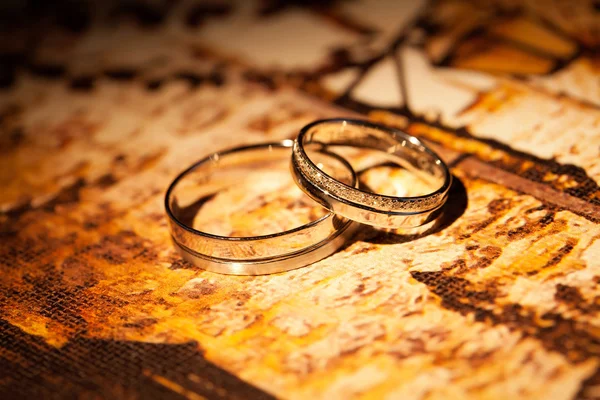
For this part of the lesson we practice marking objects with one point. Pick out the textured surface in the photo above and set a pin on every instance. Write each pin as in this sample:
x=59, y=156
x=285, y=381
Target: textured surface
x=102, y=105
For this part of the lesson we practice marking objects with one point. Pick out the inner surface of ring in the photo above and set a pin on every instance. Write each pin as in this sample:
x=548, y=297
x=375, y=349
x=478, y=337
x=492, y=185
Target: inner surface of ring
x=244, y=205
x=394, y=147
x=249, y=193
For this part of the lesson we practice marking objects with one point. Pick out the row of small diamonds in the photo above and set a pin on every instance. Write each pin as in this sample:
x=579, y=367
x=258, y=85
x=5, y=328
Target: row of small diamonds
x=315, y=175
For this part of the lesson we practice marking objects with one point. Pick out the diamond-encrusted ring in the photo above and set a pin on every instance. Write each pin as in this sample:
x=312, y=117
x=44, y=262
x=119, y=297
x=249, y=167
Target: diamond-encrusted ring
x=194, y=202
x=359, y=205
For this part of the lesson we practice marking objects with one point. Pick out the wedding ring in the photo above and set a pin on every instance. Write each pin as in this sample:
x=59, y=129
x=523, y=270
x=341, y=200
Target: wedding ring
x=363, y=206
x=201, y=200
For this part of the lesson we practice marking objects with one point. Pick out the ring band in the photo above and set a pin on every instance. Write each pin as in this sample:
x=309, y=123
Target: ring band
x=366, y=207
x=251, y=255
